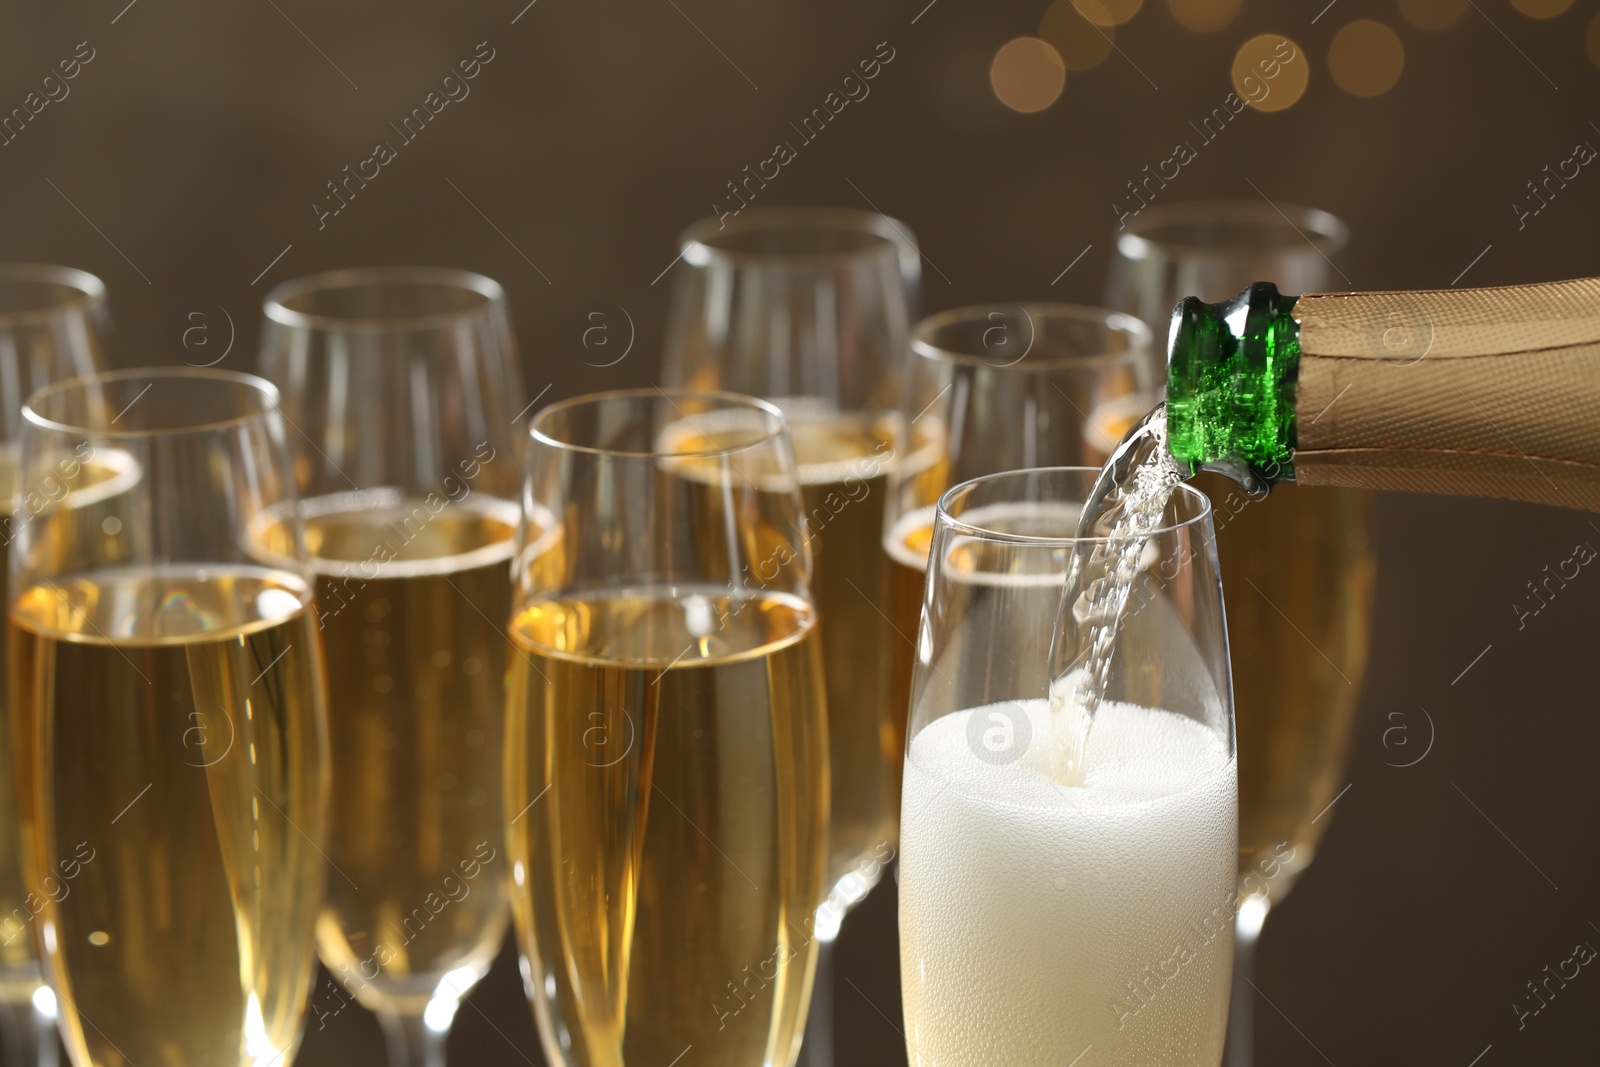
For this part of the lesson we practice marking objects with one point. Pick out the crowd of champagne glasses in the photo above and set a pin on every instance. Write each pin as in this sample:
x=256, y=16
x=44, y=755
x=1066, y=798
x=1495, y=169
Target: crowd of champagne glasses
x=359, y=660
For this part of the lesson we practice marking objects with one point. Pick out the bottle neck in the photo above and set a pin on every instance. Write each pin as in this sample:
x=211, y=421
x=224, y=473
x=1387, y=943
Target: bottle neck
x=1231, y=374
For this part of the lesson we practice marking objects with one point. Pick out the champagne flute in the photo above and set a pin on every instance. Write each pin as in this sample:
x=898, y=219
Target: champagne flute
x=988, y=389
x=809, y=307
x=402, y=391
x=169, y=706
x=1041, y=916
x=1303, y=557
x=52, y=327
x=666, y=734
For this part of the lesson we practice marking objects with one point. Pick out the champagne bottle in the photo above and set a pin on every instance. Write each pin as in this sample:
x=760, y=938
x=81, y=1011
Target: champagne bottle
x=1483, y=392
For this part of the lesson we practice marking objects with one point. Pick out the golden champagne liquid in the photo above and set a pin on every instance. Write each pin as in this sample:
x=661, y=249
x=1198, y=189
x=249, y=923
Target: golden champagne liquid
x=412, y=603
x=906, y=545
x=666, y=791
x=843, y=464
x=19, y=966
x=1299, y=645
x=1297, y=575
x=177, y=794
x=76, y=489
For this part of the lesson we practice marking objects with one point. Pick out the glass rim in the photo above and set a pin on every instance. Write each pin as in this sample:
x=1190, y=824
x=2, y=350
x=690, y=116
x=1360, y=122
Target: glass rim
x=275, y=306
x=777, y=428
x=1323, y=230
x=697, y=244
x=88, y=290
x=268, y=392
x=943, y=516
x=923, y=347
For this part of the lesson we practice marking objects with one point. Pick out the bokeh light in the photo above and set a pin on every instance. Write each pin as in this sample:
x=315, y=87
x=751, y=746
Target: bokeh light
x=1027, y=74
x=1205, y=16
x=1109, y=12
x=1366, y=58
x=1542, y=9
x=1591, y=40
x=1080, y=43
x=1270, y=72
x=1433, y=14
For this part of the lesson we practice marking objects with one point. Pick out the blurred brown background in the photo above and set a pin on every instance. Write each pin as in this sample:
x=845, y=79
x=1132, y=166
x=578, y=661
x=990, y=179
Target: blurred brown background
x=183, y=165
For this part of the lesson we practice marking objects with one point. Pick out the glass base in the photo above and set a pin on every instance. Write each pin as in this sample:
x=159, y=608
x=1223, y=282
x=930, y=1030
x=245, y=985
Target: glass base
x=412, y=1041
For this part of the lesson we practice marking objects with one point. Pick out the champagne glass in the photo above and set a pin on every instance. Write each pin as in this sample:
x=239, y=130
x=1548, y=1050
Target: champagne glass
x=810, y=308
x=402, y=390
x=1043, y=915
x=1303, y=558
x=666, y=734
x=993, y=388
x=169, y=705
x=52, y=327
x=1171, y=251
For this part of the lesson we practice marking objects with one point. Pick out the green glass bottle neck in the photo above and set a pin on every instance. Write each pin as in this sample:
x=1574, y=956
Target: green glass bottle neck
x=1231, y=373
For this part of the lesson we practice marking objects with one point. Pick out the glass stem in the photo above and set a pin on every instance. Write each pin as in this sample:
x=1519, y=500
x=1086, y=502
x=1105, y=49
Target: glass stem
x=30, y=1035
x=817, y=1048
x=411, y=1042
x=1242, y=1007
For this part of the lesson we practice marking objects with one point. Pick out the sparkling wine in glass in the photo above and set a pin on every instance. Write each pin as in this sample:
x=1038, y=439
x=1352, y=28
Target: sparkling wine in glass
x=1303, y=556
x=666, y=734
x=168, y=697
x=403, y=395
x=993, y=388
x=52, y=327
x=1045, y=914
x=810, y=308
